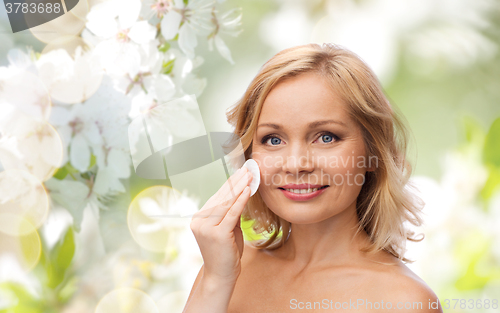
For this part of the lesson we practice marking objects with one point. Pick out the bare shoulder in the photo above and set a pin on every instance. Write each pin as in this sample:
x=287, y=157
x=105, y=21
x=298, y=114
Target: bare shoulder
x=402, y=287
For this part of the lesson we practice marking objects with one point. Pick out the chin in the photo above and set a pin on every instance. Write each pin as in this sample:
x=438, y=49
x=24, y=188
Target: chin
x=301, y=214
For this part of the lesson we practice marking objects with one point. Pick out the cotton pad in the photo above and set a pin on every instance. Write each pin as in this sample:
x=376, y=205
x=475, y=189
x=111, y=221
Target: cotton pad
x=253, y=168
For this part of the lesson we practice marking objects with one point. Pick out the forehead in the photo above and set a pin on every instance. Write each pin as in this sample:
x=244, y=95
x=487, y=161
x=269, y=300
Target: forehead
x=297, y=101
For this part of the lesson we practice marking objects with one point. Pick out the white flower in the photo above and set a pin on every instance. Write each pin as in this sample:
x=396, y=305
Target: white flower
x=149, y=81
x=229, y=23
x=73, y=195
x=70, y=80
x=195, y=19
x=158, y=7
x=22, y=89
x=20, y=59
x=165, y=124
x=99, y=125
x=116, y=165
x=151, y=58
x=183, y=78
x=115, y=21
x=29, y=144
x=9, y=147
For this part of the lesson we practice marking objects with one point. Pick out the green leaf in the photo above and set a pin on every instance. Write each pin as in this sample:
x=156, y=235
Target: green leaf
x=164, y=47
x=71, y=169
x=65, y=251
x=60, y=259
x=492, y=185
x=474, y=132
x=68, y=290
x=67, y=169
x=30, y=247
x=40, y=269
x=167, y=66
x=61, y=173
x=471, y=251
x=92, y=161
x=491, y=149
x=26, y=303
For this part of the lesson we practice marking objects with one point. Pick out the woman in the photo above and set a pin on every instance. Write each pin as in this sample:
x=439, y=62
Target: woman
x=333, y=196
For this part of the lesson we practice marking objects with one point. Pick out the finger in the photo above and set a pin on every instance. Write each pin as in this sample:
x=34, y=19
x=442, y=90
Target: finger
x=236, y=189
x=234, y=214
x=208, y=210
x=228, y=189
x=221, y=193
x=220, y=210
x=223, y=204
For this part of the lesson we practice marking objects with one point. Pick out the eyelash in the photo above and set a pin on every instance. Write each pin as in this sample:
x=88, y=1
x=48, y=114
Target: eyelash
x=335, y=137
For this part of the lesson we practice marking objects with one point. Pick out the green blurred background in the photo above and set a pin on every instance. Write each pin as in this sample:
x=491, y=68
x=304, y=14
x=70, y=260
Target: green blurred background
x=439, y=63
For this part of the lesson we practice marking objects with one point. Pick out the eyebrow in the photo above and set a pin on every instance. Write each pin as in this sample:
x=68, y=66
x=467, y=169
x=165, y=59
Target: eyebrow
x=311, y=125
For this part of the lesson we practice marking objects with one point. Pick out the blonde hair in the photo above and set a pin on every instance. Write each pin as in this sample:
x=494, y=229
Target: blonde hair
x=385, y=202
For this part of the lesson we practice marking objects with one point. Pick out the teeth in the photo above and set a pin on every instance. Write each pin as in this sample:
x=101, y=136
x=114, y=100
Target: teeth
x=302, y=190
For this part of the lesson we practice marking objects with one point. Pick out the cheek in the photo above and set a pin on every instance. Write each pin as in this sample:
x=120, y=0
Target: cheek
x=343, y=168
x=269, y=167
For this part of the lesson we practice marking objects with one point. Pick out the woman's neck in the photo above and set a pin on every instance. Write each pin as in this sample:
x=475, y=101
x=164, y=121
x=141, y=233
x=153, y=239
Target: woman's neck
x=329, y=242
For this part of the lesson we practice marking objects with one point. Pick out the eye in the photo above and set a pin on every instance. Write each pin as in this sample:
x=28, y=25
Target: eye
x=328, y=137
x=274, y=140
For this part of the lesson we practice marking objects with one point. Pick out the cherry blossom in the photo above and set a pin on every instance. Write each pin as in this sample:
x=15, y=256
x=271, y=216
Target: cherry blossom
x=116, y=23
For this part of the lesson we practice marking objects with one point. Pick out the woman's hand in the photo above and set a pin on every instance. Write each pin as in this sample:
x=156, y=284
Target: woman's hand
x=216, y=228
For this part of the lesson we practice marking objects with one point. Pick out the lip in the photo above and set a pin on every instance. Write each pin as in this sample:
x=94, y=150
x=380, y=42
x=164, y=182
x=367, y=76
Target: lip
x=302, y=196
x=301, y=186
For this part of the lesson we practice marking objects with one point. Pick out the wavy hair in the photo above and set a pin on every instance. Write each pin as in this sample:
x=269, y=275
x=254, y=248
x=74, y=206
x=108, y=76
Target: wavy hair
x=385, y=202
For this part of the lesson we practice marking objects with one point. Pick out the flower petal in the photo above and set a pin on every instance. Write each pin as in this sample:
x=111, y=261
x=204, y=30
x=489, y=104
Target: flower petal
x=223, y=49
x=194, y=85
x=118, y=58
x=101, y=19
x=72, y=195
x=119, y=163
x=80, y=153
x=129, y=11
x=107, y=182
x=187, y=40
x=170, y=24
x=142, y=32
x=164, y=87
x=59, y=116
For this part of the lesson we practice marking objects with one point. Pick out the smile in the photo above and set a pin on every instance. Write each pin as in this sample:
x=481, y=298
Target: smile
x=303, y=194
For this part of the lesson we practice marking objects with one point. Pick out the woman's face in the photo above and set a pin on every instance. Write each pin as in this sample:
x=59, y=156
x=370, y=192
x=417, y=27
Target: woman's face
x=305, y=136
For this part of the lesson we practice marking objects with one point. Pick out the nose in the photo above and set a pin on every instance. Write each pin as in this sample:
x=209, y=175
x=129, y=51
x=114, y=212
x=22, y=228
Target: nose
x=298, y=160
